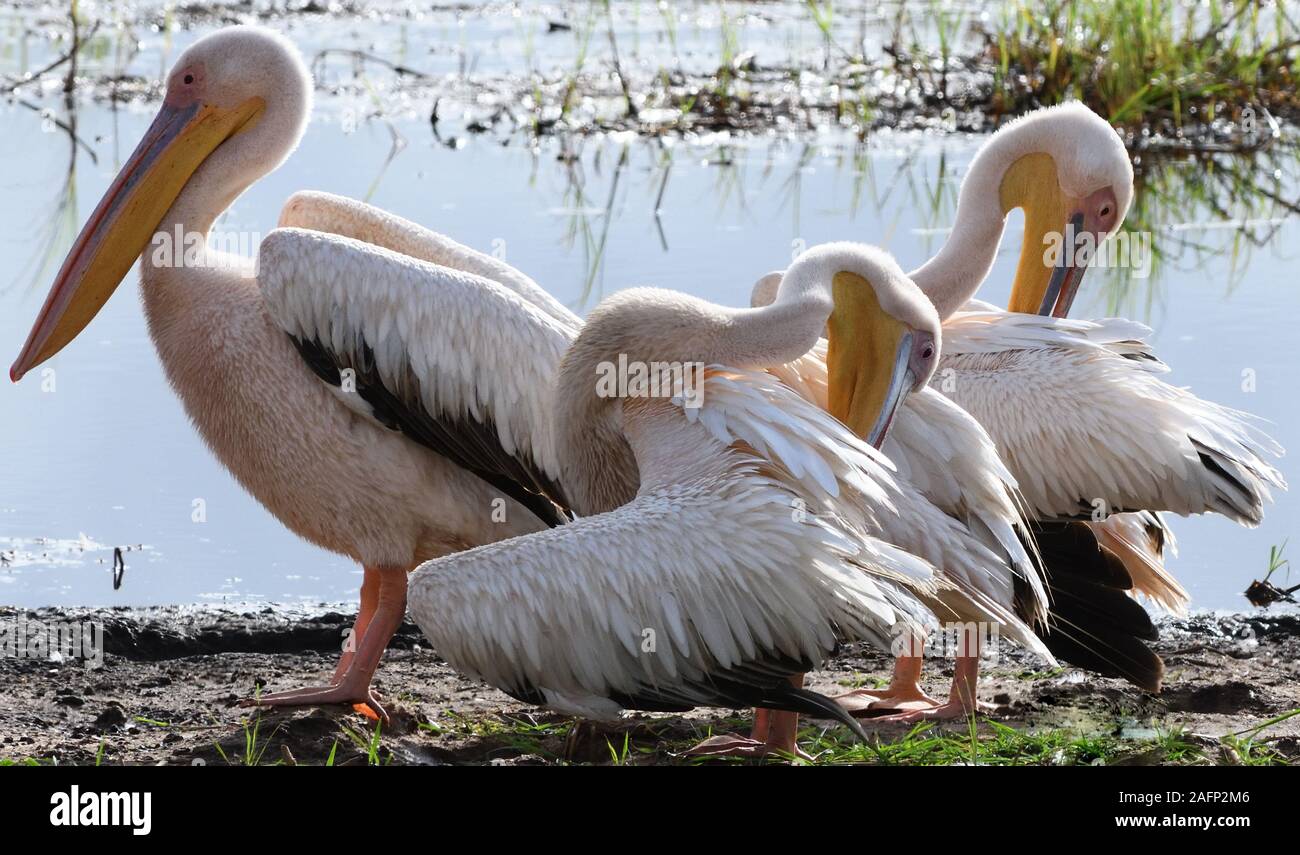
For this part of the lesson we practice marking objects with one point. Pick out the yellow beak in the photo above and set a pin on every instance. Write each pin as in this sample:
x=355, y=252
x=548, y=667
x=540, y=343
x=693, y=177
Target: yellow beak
x=1032, y=183
x=868, y=360
x=179, y=140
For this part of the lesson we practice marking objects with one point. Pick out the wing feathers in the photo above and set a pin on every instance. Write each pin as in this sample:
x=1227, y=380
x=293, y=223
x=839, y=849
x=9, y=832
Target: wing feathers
x=326, y=212
x=457, y=362
x=703, y=592
x=1081, y=416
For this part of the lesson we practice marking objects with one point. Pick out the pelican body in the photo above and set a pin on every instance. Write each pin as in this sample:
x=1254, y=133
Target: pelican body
x=685, y=515
x=338, y=468
x=1077, y=409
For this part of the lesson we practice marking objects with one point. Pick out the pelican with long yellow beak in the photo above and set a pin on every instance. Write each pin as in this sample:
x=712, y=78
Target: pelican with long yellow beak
x=717, y=572
x=1097, y=442
x=320, y=431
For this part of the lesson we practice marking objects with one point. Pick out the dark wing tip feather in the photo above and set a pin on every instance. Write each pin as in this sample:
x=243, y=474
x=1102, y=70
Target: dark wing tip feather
x=470, y=443
x=1242, y=501
x=1093, y=623
x=817, y=705
x=725, y=692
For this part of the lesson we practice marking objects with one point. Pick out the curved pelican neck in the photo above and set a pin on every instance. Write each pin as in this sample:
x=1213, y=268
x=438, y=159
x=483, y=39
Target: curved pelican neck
x=954, y=275
x=647, y=326
x=179, y=271
x=781, y=331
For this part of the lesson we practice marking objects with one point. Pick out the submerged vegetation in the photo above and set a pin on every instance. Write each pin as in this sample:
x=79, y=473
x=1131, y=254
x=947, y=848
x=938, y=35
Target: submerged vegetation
x=1170, y=74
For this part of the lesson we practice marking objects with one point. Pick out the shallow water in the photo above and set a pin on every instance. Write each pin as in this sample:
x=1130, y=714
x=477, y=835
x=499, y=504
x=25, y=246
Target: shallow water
x=108, y=459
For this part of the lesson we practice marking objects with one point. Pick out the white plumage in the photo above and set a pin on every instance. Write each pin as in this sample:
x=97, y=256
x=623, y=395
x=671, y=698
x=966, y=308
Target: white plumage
x=1083, y=419
x=957, y=505
x=710, y=575
x=450, y=342
x=890, y=506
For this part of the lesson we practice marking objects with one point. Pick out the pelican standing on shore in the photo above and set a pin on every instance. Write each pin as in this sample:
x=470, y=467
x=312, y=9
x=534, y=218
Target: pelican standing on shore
x=678, y=543
x=1076, y=408
x=948, y=465
x=347, y=465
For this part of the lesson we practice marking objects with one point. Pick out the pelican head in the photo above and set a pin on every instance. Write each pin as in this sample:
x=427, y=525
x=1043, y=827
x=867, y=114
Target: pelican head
x=883, y=335
x=1067, y=169
x=236, y=104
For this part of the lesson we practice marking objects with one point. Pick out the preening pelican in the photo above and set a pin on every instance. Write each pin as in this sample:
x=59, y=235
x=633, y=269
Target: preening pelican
x=698, y=547
x=952, y=470
x=955, y=506
x=1077, y=408
x=362, y=474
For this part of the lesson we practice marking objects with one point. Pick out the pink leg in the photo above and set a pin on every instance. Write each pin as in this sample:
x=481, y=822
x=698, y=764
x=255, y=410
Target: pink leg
x=369, y=599
x=762, y=724
x=783, y=732
x=774, y=733
x=904, y=693
x=390, y=607
x=962, y=701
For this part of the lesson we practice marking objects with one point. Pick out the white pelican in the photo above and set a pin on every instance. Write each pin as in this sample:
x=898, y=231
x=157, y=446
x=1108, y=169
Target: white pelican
x=430, y=433
x=1076, y=408
x=951, y=467
x=357, y=473
x=559, y=617
x=957, y=506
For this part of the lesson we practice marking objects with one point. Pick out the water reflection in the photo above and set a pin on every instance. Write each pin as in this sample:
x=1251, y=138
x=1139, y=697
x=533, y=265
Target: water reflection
x=1201, y=207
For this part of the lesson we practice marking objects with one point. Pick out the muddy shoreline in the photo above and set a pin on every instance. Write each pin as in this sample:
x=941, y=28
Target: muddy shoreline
x=172, y=677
